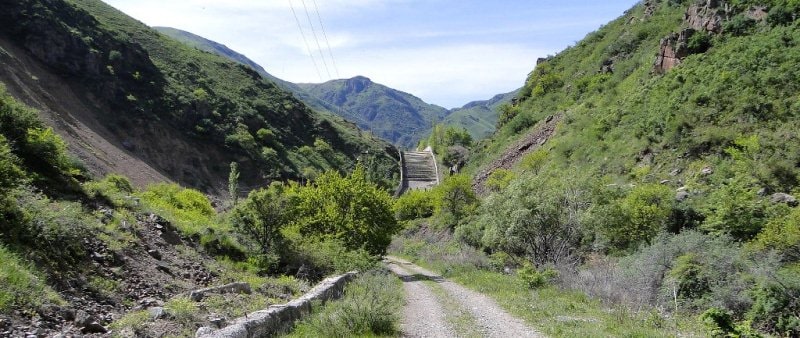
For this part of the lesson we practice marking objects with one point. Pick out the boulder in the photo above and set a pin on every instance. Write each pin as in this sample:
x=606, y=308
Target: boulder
x=681, y=196
x=783, y=198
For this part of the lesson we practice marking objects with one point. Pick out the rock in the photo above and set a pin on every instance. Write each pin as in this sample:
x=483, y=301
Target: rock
x=675, y=172
x=163, y=268
x=665, y=182
x=649, y=8
x=82, y=318
x=757, y=13
x=171, y=237
x=68, y=314
x=784, y=198
x=707, y=171
x=217, y=321
x=93, y=327
x=673, y=48
x=155, y=254
x=681, y=196
x=157, y=312
x=706, y=17
x=762, y=192
x=204, y=330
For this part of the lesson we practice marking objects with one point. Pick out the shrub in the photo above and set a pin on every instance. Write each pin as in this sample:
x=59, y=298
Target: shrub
x=350, y=209
x=777, y=303
x=370, y=306
x=414, y=204
x=455, y=198
x=499, y=180
x=262, y=216
x=188, y=209
x=534, y=278
x=782, y=234
x=114, y=189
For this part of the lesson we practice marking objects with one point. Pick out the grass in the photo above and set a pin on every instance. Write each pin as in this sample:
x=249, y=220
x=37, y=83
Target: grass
x=554, y=312
x=370, y=308
x=21, y=287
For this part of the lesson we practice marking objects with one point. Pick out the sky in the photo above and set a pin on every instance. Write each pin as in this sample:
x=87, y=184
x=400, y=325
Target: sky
x=447, y=52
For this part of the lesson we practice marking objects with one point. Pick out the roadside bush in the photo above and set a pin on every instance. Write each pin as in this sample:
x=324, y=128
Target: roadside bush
x=370, y=307
x=455, y=199
x=262, y=216
x=349, y=209
x=414, y=204
x=535, y=278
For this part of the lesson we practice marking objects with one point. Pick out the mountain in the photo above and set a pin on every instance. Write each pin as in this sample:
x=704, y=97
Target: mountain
x=390, y=114
x=658, y=157
x=213, y=47
x=479, y=118
x=131, y=100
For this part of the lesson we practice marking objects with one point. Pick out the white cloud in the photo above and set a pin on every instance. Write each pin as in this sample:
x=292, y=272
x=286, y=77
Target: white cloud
x=422, y=47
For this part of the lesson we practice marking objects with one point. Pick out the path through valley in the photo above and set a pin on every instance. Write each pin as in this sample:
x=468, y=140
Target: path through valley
x=436, y=307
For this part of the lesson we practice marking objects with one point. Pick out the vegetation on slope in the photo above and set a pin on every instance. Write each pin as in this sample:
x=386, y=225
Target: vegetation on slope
x=660, y=190
x=103, y=246
x=393, y=115
x=146, y=78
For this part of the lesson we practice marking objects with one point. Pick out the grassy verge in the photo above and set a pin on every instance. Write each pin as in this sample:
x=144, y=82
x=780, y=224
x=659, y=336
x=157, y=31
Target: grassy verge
x=370, y=308
x=551, y=310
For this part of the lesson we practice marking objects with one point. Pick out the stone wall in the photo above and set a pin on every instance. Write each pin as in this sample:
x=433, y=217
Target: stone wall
x=278, y=318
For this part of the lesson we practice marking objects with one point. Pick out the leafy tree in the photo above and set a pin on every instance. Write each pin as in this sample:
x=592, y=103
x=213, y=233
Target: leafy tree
x=263, y=215
x=456, y=198
x=349, y=209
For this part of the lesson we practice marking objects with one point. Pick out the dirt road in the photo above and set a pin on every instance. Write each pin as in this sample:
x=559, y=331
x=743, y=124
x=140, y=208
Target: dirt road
x=436, y=307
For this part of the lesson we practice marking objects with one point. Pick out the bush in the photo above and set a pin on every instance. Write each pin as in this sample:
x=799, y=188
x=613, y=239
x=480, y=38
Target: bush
x=349, y=209
x=370, y=306
x=534, y=278
x=188, y=209
x=262, y=216
x=499, y=180
x=414, y=204
x=114, y=189
x=777, y=303
x=455, y=198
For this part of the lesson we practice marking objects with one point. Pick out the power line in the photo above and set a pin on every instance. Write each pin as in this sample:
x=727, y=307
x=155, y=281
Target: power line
x=316, y=39
x=325, y=35
x=308, y=47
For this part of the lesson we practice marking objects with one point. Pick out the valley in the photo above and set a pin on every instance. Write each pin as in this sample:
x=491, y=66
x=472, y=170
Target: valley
x=641, y=182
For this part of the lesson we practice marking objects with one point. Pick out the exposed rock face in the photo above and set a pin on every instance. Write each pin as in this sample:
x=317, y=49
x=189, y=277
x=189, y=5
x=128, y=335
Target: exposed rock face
x=757, y=13
x=673, y=49
x=649, y=8
x=707, y=17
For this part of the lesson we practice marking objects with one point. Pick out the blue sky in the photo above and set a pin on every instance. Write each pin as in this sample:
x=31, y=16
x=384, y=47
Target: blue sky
x=446, y=52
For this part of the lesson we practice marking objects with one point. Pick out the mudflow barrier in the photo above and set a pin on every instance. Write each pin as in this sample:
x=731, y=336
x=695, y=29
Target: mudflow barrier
x=278, y=318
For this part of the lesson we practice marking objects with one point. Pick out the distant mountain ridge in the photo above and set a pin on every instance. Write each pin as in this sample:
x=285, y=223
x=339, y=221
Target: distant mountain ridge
x=396, y=116
x=393, y=115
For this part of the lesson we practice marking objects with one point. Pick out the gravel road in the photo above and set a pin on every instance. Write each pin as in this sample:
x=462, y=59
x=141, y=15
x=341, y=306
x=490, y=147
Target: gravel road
x=424, y=315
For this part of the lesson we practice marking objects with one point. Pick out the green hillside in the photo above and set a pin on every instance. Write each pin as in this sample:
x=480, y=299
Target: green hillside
x=149, y=80
x=654, y=164
x=479, y=118
x=207, y=45
x=390, y=114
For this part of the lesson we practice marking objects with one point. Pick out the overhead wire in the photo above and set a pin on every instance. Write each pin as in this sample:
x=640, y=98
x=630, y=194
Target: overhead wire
x=316, y=38
x=327, y=42
x=308, y=47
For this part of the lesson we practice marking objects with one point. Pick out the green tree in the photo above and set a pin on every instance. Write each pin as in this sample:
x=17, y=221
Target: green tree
x=455, y=198
x=349, y=209
x=262, y=216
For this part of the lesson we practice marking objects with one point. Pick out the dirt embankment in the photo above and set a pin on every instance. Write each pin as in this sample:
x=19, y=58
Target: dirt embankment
x=514, y=153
